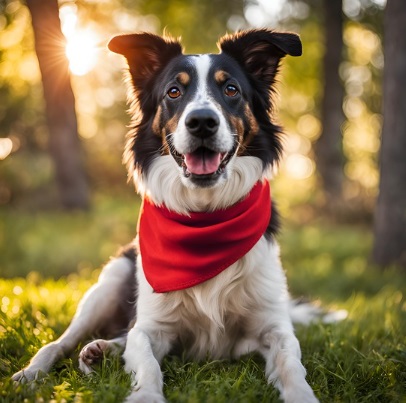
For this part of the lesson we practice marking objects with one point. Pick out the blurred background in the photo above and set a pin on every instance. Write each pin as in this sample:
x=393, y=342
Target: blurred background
x=65, y=204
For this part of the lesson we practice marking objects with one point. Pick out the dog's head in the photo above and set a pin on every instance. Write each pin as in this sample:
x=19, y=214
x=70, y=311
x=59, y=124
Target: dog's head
x=203, y=110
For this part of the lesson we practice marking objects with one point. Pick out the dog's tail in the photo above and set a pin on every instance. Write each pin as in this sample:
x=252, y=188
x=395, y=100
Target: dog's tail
x=305, y=312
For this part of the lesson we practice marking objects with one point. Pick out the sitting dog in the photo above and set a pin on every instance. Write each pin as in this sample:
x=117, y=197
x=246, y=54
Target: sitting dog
x=203, y=275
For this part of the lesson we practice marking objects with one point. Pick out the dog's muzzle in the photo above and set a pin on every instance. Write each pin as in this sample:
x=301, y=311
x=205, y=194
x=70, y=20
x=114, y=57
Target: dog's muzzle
x=205, y=162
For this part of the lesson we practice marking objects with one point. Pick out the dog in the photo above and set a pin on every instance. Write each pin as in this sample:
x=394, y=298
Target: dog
x=203, y=275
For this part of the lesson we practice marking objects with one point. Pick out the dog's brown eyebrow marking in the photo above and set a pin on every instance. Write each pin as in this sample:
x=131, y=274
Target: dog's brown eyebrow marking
x=221, y=76
x=253, y=124
x=183, y=78
x=172, y=123
x=156, y=121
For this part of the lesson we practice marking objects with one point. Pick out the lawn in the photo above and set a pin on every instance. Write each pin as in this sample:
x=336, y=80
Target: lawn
x=49, y=259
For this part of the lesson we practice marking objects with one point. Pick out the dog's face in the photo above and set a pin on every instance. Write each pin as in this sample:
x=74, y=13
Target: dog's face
x=204, y=116
x=204, y=110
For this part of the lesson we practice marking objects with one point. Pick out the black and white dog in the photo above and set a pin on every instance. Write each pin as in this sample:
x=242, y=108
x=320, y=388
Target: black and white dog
x=204, y=274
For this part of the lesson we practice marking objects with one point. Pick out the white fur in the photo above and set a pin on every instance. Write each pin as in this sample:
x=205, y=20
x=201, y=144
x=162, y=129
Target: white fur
x=214, y=310
x=243, y=309
x=164, y=185
x=202, y=65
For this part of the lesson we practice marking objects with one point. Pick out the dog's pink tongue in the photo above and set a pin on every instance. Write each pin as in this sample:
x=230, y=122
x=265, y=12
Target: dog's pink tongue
x=202, y=163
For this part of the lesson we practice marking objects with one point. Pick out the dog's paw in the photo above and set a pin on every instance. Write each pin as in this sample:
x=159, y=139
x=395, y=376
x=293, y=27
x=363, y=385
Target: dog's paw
x=27, y=375
x=302, y=394
x=91, y=354
x=19, y=377
x=145, y=396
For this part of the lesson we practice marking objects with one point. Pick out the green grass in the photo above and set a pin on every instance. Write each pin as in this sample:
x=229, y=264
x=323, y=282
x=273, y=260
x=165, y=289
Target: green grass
x=55, y=243
x=361, y=359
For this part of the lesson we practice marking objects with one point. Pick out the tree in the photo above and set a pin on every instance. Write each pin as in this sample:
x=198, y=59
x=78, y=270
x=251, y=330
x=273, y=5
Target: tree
x=64, y=141
x=328, y=149
x=390, y=214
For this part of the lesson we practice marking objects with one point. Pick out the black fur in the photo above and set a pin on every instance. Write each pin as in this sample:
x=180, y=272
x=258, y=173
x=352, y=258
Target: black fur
x=252, y=57
x=259, y=53
x=152, y=58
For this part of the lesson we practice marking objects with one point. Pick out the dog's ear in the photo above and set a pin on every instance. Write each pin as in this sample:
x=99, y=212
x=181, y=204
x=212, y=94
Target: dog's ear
x=146, y=53
x=259, y=51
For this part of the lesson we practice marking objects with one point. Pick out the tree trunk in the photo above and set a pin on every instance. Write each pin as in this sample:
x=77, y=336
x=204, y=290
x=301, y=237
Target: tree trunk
x=328, y=149
x=64, y=144
x=390, y=214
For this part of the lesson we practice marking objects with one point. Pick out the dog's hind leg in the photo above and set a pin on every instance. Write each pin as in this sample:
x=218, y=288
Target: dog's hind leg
x=106, y=309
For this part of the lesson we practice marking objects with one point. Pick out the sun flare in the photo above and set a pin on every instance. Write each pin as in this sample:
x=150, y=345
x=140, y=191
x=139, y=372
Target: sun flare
x=81, y=50
x=81, y=44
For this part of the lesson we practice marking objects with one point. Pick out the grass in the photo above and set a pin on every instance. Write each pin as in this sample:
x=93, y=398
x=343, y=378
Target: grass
x=361, y=359
x=55, y=243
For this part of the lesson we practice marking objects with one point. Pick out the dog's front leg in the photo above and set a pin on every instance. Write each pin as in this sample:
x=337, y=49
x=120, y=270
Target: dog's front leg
x=284, y=369
x=142, y=356
x=98, y=307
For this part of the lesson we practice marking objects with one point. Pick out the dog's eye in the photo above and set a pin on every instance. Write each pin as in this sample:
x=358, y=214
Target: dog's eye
x=174, y=93
x=231, y=90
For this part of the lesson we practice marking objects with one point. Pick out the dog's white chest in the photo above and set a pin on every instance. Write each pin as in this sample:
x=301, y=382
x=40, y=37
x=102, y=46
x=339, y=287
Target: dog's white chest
x=215, y=317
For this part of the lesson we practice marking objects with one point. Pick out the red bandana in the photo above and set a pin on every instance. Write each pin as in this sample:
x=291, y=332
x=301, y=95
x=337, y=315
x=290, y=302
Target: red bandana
x=180, y=251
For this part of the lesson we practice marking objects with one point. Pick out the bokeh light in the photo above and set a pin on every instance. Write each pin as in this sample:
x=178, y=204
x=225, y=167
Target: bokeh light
x=6, y=146
x=81, y=44
x=81, y=50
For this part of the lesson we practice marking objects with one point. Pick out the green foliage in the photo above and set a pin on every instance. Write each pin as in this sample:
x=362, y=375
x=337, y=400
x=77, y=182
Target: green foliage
x=100, y=94
x=55, y=244
x=361, y=359
x=200, y=23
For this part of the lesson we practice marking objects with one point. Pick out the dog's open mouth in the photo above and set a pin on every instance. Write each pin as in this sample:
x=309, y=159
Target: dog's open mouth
x=203, y=162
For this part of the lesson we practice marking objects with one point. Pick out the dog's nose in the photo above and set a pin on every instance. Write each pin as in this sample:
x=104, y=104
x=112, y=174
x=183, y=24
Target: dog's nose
x=202, y=122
